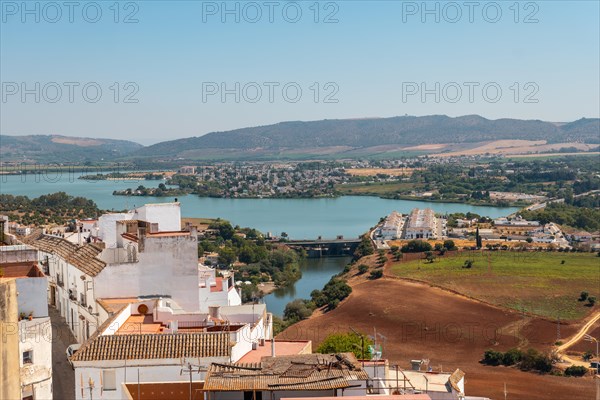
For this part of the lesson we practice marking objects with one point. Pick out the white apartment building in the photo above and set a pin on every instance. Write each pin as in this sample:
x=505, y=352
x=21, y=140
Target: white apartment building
x=423, y=224
x=391, y=228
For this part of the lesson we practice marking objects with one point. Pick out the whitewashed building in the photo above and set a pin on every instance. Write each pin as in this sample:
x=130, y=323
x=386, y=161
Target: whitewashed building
x=423, y=224
x=216, y=290
x=34, y=329
x=392, y=226
x=154, y=340
x=139, y=260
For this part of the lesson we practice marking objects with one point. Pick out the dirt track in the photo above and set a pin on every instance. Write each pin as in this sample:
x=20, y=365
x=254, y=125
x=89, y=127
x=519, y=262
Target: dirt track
x=424, y=322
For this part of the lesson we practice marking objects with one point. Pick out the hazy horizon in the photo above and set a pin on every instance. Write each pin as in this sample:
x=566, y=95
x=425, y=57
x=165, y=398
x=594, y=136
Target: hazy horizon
x=150, y=143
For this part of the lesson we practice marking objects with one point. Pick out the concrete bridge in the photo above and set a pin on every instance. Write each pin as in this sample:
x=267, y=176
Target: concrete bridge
x=326, y=247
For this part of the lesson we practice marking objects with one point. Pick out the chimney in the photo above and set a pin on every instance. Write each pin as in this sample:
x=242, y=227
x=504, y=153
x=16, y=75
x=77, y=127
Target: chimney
x=273, y=347
x=213, y=312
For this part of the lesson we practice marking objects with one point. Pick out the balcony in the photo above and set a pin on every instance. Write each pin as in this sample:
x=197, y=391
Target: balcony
x=59, y=281
x=72, y=295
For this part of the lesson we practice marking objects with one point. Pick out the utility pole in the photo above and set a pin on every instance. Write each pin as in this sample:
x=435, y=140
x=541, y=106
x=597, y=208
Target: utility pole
x=590, y=338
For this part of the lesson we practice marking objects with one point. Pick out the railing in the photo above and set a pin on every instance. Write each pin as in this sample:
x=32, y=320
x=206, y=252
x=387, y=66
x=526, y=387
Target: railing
x=83, y=299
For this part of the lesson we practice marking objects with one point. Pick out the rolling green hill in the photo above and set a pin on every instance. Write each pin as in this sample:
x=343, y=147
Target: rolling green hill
x=62, y=149
x=297, y=139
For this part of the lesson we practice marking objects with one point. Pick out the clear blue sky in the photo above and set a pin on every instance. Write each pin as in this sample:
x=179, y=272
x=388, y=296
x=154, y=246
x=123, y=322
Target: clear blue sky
x=371, y=56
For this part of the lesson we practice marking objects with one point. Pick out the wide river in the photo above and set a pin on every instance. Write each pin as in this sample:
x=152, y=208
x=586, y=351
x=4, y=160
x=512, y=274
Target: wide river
x=299, y=218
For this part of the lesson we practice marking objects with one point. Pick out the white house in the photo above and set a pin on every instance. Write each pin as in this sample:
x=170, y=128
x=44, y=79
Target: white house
x=71, y=271
x=154, y=341
x=215, y=290
x=33, y=328
x=167, y=216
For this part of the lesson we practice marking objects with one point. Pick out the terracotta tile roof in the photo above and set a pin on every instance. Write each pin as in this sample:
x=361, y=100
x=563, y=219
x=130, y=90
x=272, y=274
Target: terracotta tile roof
x=218, y=285
x=83, y=258
x=154, y=346
x=455, y=378
x=298, y=372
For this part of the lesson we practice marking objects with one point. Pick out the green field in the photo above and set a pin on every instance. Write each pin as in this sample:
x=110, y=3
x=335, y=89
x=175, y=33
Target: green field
x=535, y=282
x=376, y=189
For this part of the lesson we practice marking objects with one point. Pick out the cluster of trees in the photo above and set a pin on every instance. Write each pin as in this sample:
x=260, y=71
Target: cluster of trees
x=530, y=360
x=334, y=291
x=454, y=217
x=364, y=248
x=55, y=208
x=264, y=261
x=416, y=246
x=347, y=343
x=161, y=191
x=565, y=214
x=591, y=300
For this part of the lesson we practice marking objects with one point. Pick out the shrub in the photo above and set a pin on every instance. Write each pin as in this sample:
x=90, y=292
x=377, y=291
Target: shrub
x=298, y=310
x=362, y=268
x=512, y=357
x=587, y=356
x=492, y=357
x=376, y=274
x=416, y=246
x=346, y=342
x=591, y=301
x=318, y=297
x=583, y=296
x=429, y=256
x=468, y=264
x=534, y=360
x=576, y=370
x=449, y=245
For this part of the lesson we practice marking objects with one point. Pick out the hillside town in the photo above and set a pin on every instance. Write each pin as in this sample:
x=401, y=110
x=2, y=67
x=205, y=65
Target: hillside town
x=139, y=314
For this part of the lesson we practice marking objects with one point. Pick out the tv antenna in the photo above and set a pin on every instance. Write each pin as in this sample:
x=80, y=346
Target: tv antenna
x=188, y=367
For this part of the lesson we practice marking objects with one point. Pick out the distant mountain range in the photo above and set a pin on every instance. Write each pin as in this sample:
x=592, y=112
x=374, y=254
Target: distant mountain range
x=360, y=137
x=62, y=149
x=349, y=138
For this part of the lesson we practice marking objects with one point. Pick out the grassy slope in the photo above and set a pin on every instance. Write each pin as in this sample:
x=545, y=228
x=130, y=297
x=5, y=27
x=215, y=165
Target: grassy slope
x=533, y=282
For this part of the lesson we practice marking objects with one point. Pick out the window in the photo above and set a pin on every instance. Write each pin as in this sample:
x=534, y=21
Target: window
x=252, y=395
x=28, y=357
x=109, y=379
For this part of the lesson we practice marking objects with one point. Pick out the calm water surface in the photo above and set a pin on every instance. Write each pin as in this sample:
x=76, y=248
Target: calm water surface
x=299, y=218
x=316, y=272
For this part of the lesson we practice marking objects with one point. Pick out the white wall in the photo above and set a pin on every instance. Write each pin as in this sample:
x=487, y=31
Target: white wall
x=107, y=224
x=36, y=336
x=17, y=253
x=167, y=266
x=32, y=296
x=166, y=215
x=159, y=370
